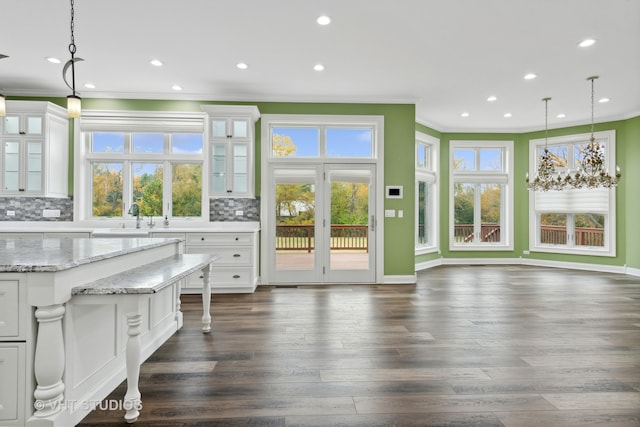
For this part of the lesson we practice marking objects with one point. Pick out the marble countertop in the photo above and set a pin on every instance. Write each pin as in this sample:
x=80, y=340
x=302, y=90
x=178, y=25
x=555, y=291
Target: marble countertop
x=48, y=255
x=90, y=227
x=149, y=278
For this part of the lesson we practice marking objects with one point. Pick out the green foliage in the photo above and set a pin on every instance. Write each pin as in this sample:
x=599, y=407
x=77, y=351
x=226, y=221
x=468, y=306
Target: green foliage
x=187, y=190
x=107, y=191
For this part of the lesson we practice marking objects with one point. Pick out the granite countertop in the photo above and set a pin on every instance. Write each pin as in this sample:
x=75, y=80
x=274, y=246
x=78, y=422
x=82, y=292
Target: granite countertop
x=48, y=255
x=149, y=278
x=106, y=226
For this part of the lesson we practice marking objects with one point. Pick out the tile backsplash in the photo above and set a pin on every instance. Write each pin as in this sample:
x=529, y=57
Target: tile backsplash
x=36, y=209
x=238, y=210
x=47, y=209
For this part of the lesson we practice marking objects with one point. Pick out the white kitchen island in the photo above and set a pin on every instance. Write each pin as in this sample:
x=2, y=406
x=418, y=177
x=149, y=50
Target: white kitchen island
x=77, y=316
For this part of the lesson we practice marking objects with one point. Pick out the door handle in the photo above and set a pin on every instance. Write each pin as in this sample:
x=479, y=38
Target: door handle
x=373, y=223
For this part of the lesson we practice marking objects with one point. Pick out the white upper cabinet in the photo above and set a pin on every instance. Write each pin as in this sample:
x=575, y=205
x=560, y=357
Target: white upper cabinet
x=35, y=149
x=231, y=139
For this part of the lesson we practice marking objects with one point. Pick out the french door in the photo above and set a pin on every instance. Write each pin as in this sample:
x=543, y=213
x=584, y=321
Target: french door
x=322, y=223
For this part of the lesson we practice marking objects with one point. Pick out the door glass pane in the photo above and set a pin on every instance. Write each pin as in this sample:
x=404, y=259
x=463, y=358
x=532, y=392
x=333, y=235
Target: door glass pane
x=147, y=188
x=295, y=220
x=148, y=143
x=240, y=128
x=553, y=229
x=490, y=209
x=463, y=200
x=352, y=142
x=295, y=142
x=589, y=229
x=107, y=189
x=349, y=234
x=240, y=168
x=34, y=125
x=219, y=169
x=186, y=190
x=12, y=125
x=34, y=166
x=219, y=128
x=464, y=159
x=11, y=166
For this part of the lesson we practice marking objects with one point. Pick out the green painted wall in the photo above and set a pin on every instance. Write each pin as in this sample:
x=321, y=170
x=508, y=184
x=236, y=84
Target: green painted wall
x=630, y=162
x=627, y=201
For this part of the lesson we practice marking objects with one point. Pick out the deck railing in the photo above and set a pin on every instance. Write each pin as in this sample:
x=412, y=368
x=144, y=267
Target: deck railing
x=301, y=237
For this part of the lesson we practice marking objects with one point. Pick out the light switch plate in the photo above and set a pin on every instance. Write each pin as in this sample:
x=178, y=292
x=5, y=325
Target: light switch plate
x=390, y=213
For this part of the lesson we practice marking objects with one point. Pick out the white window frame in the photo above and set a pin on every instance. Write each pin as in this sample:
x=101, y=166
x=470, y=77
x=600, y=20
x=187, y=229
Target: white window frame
x=504, y=177
x=430, y=175
x=128, y=122
x=607, y=202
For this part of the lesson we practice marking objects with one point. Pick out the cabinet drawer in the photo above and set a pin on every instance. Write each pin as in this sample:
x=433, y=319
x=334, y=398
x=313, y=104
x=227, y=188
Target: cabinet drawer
x=226, y=256
x=218, y=239
x=223, y=276
x=9, y=309
x=12, y=387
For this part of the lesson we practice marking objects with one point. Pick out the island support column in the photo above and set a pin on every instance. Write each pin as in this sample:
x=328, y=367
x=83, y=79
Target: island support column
x=49, y=361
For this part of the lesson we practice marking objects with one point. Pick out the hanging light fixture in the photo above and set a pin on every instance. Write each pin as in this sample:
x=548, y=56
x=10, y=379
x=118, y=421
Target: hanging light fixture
x=74, y=102
x=591, y=171
x=546, y=177
x=3, y=104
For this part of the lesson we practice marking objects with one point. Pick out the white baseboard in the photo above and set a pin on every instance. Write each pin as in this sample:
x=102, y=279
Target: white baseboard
x=529, y=261
x=401, y=280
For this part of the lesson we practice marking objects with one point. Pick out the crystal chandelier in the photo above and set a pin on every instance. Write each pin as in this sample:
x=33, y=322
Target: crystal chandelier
x=591, y=171
x=546, y=177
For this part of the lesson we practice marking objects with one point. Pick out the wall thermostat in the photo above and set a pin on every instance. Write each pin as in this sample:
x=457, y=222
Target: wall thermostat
x=394, y=191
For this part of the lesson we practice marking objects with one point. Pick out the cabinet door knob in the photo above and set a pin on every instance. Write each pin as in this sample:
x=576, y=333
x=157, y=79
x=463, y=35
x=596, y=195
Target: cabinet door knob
x=202, y=238
x=228, y=191
x=236, y=255
x=237, y=239
x=236, y=276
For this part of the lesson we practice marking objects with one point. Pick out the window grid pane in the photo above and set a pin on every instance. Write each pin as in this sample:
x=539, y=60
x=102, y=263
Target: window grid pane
x=107, y=189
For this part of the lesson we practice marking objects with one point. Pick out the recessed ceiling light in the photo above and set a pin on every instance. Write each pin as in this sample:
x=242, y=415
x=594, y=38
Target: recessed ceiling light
x=318, y=67
x=491, y=98
x=464, y=114
x=561, y=116
x=156, y=62
x=53, y=60
x=507, y=115
x=530, y=76
x=603, y=100
x=176, y=87
x=586, y=43
x=242, y=65
x=89, y=85
x=324, y=20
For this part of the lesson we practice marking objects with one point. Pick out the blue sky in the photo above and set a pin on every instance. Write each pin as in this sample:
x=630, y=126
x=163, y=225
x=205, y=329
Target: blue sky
x=340, y=142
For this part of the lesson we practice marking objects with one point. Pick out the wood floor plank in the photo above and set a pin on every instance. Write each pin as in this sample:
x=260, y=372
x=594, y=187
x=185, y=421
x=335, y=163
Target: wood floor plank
x=466, y=346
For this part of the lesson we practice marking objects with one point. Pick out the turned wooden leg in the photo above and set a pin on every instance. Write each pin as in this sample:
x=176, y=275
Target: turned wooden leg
x=206, y=300
x=179, y=317
x=49, y=361
x=132, y=401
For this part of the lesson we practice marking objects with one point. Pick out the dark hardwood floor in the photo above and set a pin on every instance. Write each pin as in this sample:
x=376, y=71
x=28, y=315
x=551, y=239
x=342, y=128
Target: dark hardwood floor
x=466, y=346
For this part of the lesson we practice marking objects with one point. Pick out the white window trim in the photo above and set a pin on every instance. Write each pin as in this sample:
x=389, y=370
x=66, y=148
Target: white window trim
x=609, y=248
x=489, y=177
x=431, y=175
x=134, y=121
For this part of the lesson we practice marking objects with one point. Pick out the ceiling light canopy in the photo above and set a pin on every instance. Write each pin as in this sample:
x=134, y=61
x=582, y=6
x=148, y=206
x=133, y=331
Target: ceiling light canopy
x=242, y=65
x=156, y=63
x=530, y=76
x=323, y=20
x=587, y=43
x=318, y=67
x=176, y=87
x=53, y=60
x=492, y=98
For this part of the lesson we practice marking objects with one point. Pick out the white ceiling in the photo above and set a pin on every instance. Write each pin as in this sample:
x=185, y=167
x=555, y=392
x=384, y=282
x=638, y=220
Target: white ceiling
x=446, y=56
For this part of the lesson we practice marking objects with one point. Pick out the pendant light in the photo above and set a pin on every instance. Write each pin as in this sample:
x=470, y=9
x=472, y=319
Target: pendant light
x=74, y=102
x=546, y=177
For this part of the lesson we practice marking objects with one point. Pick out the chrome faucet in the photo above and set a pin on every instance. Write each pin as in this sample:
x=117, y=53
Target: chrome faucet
x=135, y=211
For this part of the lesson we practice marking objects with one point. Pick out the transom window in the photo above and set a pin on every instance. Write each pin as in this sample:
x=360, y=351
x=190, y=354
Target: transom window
x=322, y=142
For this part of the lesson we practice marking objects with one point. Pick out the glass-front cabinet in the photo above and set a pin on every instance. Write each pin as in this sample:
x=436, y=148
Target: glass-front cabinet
x=231, y=138
x=35, y=140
